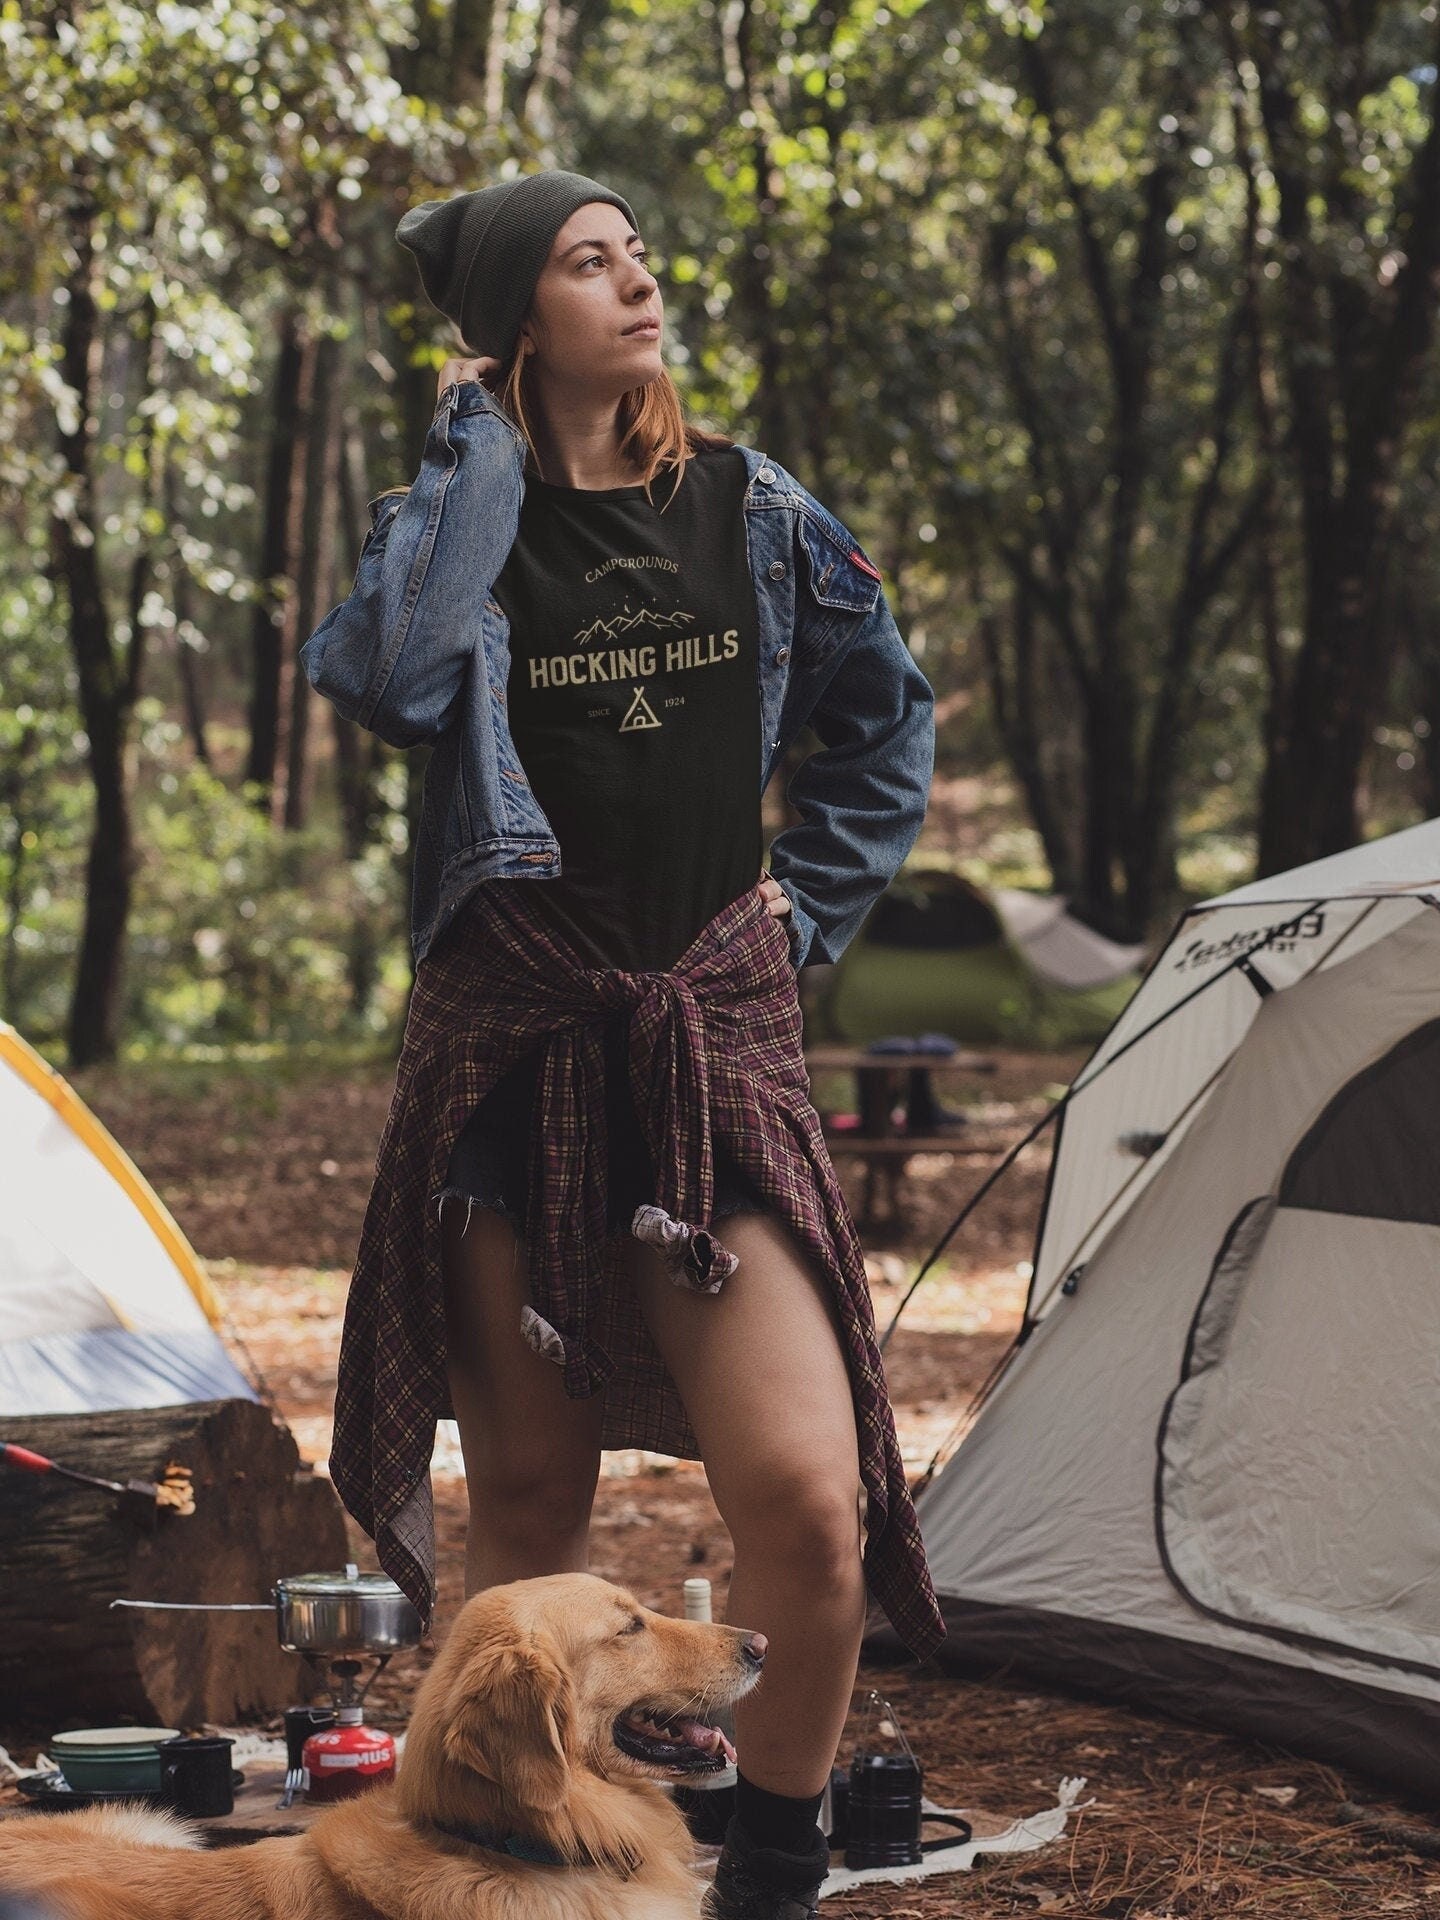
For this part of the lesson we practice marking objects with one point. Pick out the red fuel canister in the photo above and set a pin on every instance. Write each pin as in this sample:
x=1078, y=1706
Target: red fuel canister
x=347, y=1758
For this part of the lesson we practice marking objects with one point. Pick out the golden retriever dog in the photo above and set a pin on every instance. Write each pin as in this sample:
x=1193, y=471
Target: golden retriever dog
x=547, y=1720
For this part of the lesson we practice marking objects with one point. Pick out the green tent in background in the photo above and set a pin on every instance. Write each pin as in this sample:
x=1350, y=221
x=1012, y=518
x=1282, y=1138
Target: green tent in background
x=935, y=954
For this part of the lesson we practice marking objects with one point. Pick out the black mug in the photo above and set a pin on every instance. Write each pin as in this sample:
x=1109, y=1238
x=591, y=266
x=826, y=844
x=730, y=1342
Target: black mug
x=300, y=1723
x=195, y=1775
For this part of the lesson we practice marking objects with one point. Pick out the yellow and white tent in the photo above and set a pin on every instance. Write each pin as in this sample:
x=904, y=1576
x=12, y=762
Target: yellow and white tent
x=102, y=1302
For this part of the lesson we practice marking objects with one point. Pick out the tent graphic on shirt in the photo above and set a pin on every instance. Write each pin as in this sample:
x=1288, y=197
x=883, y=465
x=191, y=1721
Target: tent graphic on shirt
x=640, y=714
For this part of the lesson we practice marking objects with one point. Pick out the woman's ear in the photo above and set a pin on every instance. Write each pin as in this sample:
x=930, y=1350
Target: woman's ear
x=515, y=1723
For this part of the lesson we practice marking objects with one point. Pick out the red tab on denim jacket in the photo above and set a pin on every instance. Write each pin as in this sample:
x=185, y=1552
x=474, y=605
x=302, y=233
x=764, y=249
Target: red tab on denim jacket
x=864, y=565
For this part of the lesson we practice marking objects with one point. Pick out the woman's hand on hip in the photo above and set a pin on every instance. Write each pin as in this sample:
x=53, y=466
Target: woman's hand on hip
x=777, y=901
x=485, y=369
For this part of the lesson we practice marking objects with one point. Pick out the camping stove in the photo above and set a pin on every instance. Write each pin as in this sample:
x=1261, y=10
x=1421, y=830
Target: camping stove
x=348, y=1757
x=329, y=1618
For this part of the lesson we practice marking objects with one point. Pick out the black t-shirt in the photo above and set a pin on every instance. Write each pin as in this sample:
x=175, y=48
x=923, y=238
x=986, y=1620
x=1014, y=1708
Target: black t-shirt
x=634, y=701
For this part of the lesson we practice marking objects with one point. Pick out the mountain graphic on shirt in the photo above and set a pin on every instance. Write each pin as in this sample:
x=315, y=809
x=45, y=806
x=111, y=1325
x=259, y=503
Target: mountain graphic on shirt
x=640, y=714
x=626, y=622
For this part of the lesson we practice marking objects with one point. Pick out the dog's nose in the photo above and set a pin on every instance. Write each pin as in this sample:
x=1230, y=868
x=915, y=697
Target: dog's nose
x=753, y=1648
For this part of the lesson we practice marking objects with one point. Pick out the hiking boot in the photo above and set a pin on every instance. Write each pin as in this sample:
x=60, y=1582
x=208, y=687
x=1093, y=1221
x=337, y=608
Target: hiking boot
x=765, y=1883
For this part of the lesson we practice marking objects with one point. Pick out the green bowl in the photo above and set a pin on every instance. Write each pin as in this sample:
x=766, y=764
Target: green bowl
x=111, y=1759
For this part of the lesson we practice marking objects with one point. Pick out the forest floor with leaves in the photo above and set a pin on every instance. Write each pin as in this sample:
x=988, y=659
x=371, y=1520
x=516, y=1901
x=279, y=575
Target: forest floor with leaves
x=268, y=1172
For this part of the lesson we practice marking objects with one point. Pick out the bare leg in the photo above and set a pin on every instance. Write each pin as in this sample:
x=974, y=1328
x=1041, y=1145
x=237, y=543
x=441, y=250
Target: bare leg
x=532, y=1455
x=762, y=1373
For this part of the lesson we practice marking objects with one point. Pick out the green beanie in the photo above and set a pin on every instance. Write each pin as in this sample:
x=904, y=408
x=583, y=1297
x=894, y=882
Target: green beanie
x=480, y=254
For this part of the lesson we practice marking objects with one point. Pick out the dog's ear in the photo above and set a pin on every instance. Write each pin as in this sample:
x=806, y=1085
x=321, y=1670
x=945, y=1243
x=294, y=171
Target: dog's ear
x=515, y=1722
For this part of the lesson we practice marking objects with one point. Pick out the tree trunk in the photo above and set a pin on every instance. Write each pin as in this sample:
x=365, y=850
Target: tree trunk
x=744, y=69
x=95, y=1007
x=192, y=688
x=68, y=1551
x=359, y=756
x=1353, y=347
x=1015, y=676
x=16, y=784
x=290, y=637
x=1313, y=780
x=316, y=566
x=357, y=760
x=268, y=627
x=1429, y=677
x=416, y=401
x=469, y=48
x=105, y=690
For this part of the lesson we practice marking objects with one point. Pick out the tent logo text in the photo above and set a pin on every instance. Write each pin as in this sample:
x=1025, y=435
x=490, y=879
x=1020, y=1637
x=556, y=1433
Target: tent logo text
x=1283, y=937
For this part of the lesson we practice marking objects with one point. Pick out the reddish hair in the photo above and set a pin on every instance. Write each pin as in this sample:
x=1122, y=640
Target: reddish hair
x=654, y=432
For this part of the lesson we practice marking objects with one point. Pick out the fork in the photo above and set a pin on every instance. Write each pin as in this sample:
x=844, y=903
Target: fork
x=300, y=1723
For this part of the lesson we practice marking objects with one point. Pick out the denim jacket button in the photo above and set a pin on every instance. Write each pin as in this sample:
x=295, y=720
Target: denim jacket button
x=777, y=569
x=782, y=656
x=767, y=474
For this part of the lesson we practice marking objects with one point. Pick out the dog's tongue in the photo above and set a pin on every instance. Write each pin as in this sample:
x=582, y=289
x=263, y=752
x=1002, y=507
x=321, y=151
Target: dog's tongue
x=708, y=1739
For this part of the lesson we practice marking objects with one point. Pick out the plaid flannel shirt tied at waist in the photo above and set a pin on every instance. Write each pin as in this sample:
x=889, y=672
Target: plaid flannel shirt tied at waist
x=712, y=1041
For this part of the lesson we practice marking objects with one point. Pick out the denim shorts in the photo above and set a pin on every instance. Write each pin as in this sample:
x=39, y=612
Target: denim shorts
x=489, y=1163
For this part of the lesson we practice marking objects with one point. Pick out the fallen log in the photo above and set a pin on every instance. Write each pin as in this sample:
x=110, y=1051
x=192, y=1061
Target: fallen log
x=67, y=1551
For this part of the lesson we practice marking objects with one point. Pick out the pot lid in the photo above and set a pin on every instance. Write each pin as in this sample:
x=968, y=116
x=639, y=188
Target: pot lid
x=350, y=1581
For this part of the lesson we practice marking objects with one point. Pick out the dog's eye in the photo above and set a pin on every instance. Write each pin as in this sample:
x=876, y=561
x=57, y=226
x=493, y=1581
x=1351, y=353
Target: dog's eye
x=637, y=1625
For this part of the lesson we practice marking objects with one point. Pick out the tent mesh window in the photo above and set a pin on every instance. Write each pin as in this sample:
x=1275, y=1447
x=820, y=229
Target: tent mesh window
x=1375, y=1150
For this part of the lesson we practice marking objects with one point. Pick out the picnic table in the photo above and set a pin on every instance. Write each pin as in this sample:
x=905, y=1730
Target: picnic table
x=886, y=1082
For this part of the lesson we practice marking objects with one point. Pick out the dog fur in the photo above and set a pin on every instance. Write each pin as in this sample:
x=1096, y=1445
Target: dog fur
x=513, y=1726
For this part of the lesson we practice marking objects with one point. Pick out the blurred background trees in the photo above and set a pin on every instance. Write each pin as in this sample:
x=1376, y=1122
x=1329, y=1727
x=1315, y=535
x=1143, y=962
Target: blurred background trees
x=1108, y=328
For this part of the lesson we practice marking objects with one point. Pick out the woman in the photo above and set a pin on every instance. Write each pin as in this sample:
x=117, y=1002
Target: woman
x=631, y=607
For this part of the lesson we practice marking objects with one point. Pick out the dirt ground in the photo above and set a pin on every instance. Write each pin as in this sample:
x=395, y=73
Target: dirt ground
x=269, y=1177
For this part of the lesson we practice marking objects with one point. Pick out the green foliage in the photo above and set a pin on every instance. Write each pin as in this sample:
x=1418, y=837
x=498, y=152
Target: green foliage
x=876, y=235
x=44, y=808
x=242, y=930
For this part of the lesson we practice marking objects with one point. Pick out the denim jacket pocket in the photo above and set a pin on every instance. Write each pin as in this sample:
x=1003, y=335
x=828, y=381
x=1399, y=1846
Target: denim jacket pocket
x=843, y=587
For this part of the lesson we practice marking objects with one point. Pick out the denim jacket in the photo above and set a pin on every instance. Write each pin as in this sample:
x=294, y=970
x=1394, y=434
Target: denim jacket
x=419, y=651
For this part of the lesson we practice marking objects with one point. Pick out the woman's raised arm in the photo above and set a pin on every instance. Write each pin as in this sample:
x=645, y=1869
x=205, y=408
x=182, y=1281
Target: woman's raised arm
x=394, y=654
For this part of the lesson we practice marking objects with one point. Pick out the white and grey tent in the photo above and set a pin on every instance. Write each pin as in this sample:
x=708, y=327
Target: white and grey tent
x=1208, y=1479
x=103, y=1305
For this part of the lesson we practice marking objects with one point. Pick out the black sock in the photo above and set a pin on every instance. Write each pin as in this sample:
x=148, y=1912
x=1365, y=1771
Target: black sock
x=774, y=1819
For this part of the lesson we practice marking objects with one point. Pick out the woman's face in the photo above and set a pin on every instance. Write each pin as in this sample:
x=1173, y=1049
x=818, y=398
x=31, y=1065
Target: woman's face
x=591, y=293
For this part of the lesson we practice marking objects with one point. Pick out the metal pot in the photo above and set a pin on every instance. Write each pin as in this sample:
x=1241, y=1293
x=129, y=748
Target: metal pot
x=348, y=1612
